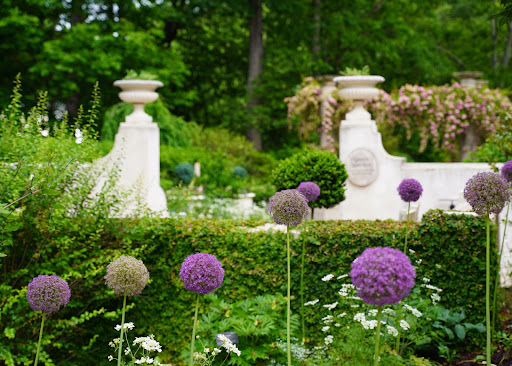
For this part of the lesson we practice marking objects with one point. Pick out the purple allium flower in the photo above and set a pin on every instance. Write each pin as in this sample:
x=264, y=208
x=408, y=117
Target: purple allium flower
x=506, y=171
x=202, y=273
x=410, y=190
x=310, y=190
x=382, y=275
x=288, y=207
x=487, y=193
x=48, y=293
x=126, y=276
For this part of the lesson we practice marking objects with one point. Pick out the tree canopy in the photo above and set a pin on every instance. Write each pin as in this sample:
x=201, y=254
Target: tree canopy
x=200, y=50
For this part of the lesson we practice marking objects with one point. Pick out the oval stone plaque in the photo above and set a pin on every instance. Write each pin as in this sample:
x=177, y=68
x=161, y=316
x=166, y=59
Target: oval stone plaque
x=361, y=167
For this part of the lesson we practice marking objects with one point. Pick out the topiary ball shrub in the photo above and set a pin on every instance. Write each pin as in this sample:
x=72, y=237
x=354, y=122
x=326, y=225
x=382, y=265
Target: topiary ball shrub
x=239, y=171
x=184, y=171
x=319, y=166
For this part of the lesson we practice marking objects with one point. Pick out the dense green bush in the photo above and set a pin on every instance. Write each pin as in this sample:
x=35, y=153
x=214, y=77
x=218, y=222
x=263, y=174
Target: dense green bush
x=450, y=246
x=321, y=167
x=174, y=131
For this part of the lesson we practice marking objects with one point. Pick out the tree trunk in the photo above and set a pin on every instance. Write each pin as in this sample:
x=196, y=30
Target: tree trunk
x=316, y=33
x=255, y=68
x=495, y=45
x=508, y=46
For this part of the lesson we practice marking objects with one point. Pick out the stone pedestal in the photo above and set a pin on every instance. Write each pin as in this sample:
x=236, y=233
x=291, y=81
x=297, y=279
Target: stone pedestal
x=135, y=156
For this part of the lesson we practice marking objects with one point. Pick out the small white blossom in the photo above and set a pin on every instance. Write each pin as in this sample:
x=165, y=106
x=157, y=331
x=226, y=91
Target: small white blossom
x=328, y=277
x=372, y=312
x=342, y=276
x=412, y=251
x=435, y=298
x=128, y=326
x=331, y=306
x=45, y=133
x=326, y=328
x=327, y=319
x=426, y=280
x=404, y=325
x=328, y=340
x=312, y=302
x=392, y=330
x=110, y=358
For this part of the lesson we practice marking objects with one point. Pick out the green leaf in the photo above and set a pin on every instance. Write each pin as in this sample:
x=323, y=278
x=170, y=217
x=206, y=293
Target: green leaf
x=460, y=331
x=3, y=255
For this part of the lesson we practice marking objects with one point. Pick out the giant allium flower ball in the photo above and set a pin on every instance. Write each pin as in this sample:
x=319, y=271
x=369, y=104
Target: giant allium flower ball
x=48, y=293
x=410, y=190
x=382, y=275
x=202, y=273
x=288, y=207
x=127, y=276
x=487, y=193
x=506, y=171
x=310, y=190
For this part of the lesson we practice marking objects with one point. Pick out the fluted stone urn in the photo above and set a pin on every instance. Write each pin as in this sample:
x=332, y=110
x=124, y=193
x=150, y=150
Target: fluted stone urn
x=139, y=93
x=358, y=88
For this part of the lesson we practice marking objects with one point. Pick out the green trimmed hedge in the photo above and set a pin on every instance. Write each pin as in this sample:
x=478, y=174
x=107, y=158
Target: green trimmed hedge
x=451, y=247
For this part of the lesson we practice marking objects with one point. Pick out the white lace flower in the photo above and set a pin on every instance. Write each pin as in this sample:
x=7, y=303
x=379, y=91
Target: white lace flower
x=126, y=326
x=331, y=306
x=328, y=277
x=312, y=302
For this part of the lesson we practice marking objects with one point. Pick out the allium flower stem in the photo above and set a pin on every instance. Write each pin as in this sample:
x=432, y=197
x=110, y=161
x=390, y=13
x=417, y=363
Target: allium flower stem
x=377, y=337
x=120, y=351
x=302, y=290
x=495, y=296
x=406, y=230
x=193, y=341
x=487, y=290
x=398, y=328
x=40, y=337
x=288, y=345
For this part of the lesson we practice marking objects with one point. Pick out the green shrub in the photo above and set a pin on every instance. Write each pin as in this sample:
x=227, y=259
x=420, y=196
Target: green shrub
x=239, y=171
x=174, y=131
x=321, y=167
x=184, y=171
x=450, y=246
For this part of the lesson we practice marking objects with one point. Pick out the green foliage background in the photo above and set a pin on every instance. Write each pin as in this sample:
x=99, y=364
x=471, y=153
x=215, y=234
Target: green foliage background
x=451, y=247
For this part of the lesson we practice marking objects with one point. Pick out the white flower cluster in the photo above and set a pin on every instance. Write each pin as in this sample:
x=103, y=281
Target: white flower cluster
x=328, y=277
x=328, y=340
x=126, y=326
x=331, y=306
x=312, y=302
x=367, y=324
x=346, y=288
x=226, y=343
x=148, y=343
x=414, y=311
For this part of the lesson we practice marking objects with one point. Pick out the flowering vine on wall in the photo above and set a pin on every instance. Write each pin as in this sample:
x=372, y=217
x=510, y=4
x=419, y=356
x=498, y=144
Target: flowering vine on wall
x=441, y=115
x=313, y=114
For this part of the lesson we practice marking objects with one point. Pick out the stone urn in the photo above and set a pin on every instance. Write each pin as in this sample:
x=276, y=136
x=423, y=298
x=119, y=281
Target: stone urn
x=358, y=88
x=139, y=93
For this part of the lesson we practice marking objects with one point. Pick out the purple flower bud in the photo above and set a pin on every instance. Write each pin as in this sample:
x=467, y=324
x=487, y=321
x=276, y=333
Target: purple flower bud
x=202, y=273
x=382, y=275
x=487, y=193
x=506, y=171
x=288, y=207
x=310, y=190
x=126, y=276
x=410, y=190
x=48, y=293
